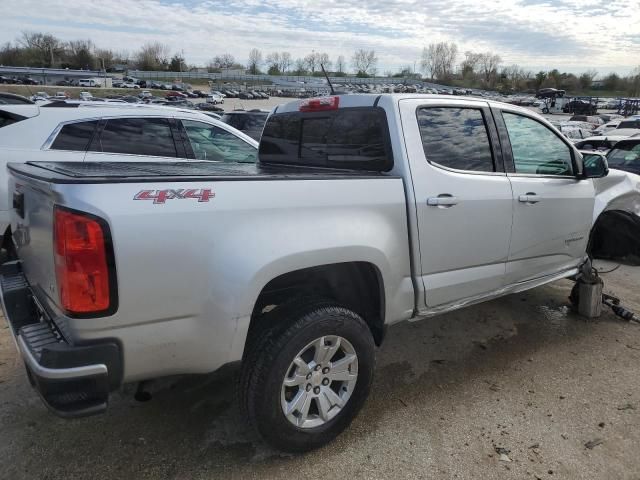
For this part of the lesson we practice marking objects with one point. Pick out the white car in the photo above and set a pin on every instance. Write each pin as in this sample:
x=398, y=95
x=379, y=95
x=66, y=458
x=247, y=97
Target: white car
x=599, y=143
x=214, y=98
x=113, y=132
x=40, y=97
x=130, y=85
x=610, y=125
x=87, y=82
x=85, y=96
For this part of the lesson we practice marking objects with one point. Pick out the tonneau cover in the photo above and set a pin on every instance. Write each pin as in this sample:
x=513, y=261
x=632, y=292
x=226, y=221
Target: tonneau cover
x=127, y=172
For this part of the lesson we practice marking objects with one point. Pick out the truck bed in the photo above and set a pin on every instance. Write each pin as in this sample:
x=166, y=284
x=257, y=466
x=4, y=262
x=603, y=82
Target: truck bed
x=140, y=172
x=189, y=271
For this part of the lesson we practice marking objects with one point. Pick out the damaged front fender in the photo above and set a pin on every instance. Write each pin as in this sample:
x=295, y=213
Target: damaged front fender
x=615, y=234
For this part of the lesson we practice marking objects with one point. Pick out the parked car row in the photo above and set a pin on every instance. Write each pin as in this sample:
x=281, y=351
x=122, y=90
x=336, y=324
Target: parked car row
x=25, y=80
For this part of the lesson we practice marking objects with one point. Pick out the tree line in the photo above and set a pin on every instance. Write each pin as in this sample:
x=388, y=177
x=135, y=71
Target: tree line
x=36, y=49
x=440, y=62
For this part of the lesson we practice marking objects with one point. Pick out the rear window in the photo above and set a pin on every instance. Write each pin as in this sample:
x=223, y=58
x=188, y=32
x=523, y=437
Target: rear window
x=74, y=136
x=349, y=138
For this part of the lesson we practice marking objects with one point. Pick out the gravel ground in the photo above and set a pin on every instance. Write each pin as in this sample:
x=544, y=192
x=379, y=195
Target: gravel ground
x=521, y=373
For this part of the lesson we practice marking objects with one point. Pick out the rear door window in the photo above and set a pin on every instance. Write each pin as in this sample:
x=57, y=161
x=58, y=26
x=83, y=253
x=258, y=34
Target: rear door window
x=137, y=136
x=456, y=138
x=75, y=136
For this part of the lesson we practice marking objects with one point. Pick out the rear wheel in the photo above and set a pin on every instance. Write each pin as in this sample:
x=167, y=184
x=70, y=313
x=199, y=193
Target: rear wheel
x=307, y=377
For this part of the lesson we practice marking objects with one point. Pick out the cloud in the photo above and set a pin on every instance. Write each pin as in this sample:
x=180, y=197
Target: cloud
x=569, y=34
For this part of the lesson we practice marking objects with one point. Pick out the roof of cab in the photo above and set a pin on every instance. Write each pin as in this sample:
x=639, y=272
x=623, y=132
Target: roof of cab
x=371, y=99
x=78, y=110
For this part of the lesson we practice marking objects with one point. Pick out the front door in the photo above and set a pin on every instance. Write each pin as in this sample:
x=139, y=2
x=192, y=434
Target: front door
x=463, y=197
x=552, y=208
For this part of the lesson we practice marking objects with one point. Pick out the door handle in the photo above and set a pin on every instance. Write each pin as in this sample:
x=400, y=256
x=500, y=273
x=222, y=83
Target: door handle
x=530, y=197
x=442, y=200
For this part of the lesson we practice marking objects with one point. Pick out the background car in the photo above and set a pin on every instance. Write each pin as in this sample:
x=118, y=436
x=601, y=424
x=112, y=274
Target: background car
x=208, y=107
x=250, y=122
x=175, y=96
x=580, y=107
x=13, y=99
x=214, y=98
x=625, y=155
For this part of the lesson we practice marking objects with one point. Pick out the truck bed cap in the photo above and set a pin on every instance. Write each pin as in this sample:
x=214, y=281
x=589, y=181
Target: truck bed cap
x=134, y=172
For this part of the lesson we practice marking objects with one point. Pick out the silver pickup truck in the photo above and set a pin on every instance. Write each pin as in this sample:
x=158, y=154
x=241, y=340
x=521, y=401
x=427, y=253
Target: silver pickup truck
x=362, y=211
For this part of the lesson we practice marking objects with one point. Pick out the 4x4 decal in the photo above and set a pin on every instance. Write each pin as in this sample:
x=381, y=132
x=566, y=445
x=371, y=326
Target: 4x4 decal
x=161, y=196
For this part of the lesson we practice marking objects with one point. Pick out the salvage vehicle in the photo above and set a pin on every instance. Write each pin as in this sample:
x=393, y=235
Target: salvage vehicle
x=363, y=211
x=625, y=155
x=77, y=132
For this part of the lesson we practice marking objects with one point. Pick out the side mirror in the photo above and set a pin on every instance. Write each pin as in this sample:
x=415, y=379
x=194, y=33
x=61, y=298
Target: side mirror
x=595, y=165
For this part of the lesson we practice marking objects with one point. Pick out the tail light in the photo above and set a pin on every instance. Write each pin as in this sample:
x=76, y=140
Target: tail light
x=84, y=263
x=321, y=104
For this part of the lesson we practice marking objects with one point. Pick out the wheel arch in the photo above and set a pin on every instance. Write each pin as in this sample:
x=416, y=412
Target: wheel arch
x=615, y=236
x=357, y=285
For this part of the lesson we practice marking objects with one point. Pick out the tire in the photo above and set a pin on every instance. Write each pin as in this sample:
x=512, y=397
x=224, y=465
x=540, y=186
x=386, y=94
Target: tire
x=295, y=328
x=545, y=110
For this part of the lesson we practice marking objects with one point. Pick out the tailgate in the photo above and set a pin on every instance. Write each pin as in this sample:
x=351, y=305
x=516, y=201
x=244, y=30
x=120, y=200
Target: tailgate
x=32, y=230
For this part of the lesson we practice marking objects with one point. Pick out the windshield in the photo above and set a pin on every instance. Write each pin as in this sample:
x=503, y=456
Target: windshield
x=626, y=156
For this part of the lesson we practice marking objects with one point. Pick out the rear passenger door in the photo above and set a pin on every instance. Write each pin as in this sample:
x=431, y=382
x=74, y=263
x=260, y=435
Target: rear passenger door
x=463, y=197
x=552, y=207
x=136, y=139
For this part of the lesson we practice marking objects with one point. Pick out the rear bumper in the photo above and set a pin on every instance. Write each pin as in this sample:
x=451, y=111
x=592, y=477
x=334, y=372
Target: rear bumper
x=73, y=380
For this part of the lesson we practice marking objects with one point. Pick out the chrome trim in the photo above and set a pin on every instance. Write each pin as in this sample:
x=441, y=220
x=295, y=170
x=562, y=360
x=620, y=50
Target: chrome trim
x=515, y=288
x=545, y=175
x=58, y=373
x=465, y=172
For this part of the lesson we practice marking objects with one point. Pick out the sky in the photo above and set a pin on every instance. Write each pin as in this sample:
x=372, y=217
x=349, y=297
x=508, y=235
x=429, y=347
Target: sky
x=571, y=35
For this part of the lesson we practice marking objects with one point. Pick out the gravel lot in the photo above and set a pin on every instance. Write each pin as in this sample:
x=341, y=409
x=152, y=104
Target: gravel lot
x=520, y=373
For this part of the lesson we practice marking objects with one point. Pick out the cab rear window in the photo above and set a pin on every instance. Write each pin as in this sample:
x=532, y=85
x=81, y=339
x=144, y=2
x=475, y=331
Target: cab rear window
x=348, y=138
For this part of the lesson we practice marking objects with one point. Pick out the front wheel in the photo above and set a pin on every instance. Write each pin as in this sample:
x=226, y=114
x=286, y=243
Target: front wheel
x=308, y=377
